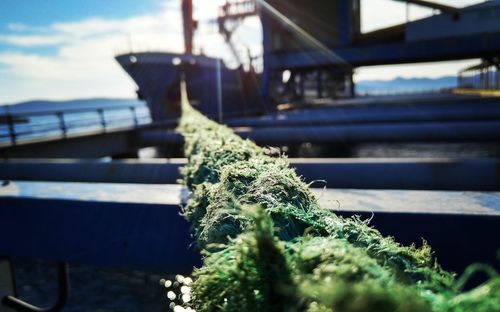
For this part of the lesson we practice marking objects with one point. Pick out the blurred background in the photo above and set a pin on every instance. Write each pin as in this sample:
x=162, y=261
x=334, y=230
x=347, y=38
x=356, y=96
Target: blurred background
x=384, y=106
x=64, y=49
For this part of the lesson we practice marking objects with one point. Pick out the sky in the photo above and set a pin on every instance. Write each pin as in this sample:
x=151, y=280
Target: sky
x=64, y=49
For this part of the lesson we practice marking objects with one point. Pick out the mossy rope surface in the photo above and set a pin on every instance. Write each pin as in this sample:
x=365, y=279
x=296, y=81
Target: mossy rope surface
x=269, y=246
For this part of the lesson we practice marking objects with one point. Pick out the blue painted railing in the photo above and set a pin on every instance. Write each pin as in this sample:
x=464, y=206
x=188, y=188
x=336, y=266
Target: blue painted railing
x=16, y=127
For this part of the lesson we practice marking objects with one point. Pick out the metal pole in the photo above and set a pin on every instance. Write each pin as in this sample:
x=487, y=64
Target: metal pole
x=219, y=88
x=103, y=120
x=189, y=25
x=63, y=295
x=487, y=78
x=301, y=86
x=12, y=129
x=320, y=83
x=498, y=78
x=62, y=124
x=483, y=78
x=407, y=12
x=134, y=116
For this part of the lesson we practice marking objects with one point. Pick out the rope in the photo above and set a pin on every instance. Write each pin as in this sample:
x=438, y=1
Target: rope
x=269, y=246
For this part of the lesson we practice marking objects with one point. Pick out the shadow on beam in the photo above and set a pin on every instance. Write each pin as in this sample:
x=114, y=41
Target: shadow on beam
x=117, y=142
x=388, y=173
x=155, y=237
x=114, y=234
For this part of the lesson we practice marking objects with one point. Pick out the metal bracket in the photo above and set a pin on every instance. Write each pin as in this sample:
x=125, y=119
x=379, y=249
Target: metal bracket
x=7, y=281
x=19, y=305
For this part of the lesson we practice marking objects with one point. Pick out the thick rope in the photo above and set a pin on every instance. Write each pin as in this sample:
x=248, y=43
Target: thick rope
x=269, y=246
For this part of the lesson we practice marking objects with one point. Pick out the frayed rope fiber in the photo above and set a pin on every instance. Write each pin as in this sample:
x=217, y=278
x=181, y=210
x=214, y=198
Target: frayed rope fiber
x=268, y=245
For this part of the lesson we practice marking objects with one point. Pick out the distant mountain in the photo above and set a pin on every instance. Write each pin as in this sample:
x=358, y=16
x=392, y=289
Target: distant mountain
x=371, y=87
x=44, y=105
x=405, y=85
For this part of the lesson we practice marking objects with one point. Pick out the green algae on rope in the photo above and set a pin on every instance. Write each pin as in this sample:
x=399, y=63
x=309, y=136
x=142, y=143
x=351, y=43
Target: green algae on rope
x=269, y=246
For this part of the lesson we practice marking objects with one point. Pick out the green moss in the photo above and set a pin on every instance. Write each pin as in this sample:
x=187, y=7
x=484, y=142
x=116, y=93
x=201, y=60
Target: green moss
x=251, y=274
x=370, y=295
x=291, y=254
x=485, y=298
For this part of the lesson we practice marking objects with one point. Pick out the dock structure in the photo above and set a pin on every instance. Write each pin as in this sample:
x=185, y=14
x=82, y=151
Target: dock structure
x=418, y=118
x=131, y=225
x=414, y=190
x=84, y=198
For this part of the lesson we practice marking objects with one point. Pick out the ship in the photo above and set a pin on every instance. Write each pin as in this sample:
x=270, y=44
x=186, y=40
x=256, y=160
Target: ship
x=214, y=89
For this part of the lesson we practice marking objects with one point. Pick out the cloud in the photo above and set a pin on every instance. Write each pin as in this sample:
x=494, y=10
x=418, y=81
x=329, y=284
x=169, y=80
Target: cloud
x=205, y=10
x=17, y=26
x=83, y=64
x=32, y=40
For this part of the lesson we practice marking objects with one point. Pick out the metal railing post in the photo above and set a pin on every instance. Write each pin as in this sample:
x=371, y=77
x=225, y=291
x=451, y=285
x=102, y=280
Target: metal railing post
x=498, y=78
x=319, y=82
x=134, y=116
x=219, y=89
x=62, y=124
x=102, y=118
x=63, y=295
x=12, y=129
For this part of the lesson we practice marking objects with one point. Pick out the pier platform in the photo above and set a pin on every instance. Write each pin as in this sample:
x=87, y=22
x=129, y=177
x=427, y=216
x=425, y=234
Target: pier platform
x=435, y=117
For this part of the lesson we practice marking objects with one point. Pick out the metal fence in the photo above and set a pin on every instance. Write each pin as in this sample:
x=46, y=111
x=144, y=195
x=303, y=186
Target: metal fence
x=483, y=76
x=24, y=126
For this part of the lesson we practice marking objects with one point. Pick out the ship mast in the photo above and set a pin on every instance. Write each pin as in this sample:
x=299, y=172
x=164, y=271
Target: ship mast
x=189, y=25
x=234, y=12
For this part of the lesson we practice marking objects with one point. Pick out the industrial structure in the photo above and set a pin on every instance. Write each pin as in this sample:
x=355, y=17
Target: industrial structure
x=317, y=44
x=485, y=76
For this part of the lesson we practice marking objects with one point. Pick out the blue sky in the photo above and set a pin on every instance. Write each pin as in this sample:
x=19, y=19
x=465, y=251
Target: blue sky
x=19, y=17
x=43, y=12
x=64, y=49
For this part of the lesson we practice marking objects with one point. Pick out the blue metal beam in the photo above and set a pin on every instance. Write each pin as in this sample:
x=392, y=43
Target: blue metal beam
x=153, y=236
x=84, y=145
x=388, y=173
x=476, y=131
x=477, y=46
x=403, y=174
x=146, y=236
x=152, y=171
x=472, y=131
x=442, y=107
